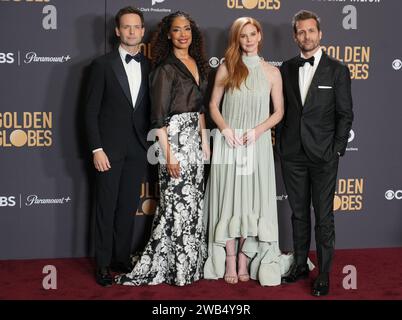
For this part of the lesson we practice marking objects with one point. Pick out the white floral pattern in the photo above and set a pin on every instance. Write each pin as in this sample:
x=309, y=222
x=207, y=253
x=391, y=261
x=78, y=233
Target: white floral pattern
x=176, y=251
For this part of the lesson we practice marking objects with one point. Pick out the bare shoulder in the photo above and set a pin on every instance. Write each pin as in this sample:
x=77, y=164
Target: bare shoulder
x=222, y=71
x=222, y=68
x=271, y=71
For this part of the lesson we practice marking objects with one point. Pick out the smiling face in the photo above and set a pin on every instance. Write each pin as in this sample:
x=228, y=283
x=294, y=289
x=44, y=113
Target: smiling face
x=307, y=35
x=180, y=33
x=249, y=39
x=130, y=31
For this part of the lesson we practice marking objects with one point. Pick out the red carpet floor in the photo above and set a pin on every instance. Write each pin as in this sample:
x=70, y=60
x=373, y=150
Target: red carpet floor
x=379, y=277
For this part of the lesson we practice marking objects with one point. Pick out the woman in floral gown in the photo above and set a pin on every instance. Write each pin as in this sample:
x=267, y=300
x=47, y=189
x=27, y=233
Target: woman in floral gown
x=176, y=251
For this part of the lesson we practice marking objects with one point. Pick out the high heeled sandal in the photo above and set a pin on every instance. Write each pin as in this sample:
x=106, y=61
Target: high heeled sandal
x=245, y=276
x=231, y=279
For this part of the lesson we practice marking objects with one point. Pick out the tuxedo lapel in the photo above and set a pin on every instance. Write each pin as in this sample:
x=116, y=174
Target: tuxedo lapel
x=294, y=80
x=121, y=75
x=144, y=79
x=322, y=69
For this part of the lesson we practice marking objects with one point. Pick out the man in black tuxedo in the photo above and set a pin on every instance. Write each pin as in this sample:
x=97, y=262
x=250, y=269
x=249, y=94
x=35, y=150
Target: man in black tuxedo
x=117, y=121
x=312, y=136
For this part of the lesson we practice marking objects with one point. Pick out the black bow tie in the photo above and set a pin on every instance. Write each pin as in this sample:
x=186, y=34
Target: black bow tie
x=301, y=61
x=136, y=57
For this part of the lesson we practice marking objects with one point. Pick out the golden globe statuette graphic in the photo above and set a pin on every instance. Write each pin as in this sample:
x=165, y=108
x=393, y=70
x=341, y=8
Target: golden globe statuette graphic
x=250, y=4
x=149, y=195
x=26, y=129
x=149, y=207
x=254, y=4
x=337, y=203
x=349, y=195
x=18, y=138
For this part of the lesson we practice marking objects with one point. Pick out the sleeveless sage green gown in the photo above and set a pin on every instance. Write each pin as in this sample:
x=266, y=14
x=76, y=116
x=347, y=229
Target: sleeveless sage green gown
x=240, y=198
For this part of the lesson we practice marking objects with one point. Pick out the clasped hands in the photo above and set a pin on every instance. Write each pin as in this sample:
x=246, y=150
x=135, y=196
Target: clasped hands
x=248, y=138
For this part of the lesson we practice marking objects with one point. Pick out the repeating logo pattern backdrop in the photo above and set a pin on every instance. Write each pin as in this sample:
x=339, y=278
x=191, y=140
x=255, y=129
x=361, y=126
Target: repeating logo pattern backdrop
x=46, y=47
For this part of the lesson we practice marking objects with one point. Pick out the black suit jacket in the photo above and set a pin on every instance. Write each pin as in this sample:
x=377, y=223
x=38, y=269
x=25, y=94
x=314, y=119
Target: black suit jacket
x=321, y=127
x=110, y=114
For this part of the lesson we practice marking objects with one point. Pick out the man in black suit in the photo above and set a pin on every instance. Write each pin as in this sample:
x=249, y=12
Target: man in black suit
x=312, y=136
x=117, y=121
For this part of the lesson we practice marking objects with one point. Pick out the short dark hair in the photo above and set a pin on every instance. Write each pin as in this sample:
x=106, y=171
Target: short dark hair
x=305, y=15
x=128, y=10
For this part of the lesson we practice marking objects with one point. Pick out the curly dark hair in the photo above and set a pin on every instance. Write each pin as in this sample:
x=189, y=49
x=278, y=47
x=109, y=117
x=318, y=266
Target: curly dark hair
x=162, y=46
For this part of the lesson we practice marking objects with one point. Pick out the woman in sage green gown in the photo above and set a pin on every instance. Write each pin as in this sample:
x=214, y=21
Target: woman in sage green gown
x=240, y=199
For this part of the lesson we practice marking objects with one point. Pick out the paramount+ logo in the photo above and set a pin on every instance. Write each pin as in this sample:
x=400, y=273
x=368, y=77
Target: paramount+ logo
x=349, y=195
x=29, y=129
x=254, y=4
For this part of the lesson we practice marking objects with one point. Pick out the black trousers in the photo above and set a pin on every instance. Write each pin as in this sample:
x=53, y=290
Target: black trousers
x=306, y=181
x=117, y=200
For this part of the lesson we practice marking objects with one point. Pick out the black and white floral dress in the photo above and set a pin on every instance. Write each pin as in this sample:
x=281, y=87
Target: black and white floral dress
x=176, y=251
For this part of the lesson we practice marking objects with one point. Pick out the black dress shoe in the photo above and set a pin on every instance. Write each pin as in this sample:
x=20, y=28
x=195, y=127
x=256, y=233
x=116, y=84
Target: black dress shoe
x=120, y=268
x=321, y=285
x=296, y=273
x=103, y=277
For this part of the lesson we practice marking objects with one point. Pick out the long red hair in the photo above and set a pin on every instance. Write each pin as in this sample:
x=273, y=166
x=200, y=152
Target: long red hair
x=237, y=70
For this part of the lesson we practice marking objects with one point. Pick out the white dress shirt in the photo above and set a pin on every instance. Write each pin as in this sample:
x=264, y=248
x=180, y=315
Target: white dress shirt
x=306, y=74
x=133, y=72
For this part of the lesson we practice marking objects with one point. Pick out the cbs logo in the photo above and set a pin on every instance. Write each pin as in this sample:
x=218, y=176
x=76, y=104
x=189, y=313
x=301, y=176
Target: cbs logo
x=397, y=64
x=7, y=201
x=214, y=62
x=391, y=195
x=7, y=57
x=351, y=136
